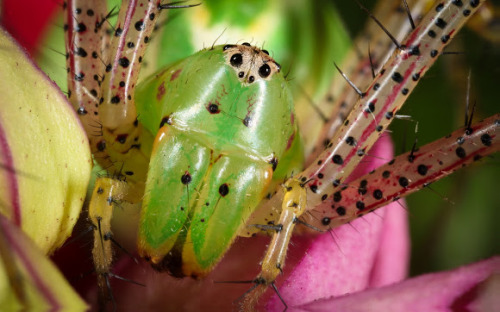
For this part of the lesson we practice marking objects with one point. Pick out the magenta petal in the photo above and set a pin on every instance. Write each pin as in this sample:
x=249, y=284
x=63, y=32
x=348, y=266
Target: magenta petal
x=393, y=255
x=373, y=251
x=455, y=290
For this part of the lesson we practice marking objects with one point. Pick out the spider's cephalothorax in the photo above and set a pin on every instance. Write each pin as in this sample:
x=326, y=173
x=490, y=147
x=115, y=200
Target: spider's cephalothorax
x=224, y=120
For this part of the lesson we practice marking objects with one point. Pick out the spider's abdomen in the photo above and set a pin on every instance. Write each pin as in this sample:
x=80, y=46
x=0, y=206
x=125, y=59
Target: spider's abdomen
x=224, y=118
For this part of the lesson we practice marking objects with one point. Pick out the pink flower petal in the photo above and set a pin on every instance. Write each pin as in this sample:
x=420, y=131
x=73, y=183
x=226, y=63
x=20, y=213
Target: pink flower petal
x=455, y=290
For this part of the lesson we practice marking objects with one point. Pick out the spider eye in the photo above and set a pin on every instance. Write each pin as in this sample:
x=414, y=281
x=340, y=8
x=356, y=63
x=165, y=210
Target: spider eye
x=236, y=60
x=264, y=71
x=227, y=46
x=265, y=51
x=246, y=44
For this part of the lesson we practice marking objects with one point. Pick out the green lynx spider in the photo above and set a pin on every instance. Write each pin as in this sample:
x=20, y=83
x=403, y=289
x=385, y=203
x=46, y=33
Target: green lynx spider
x=139, y=133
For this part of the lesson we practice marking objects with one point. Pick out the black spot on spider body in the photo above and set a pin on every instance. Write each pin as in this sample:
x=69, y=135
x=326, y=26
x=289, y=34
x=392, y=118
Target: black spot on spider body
x=337, y=159
x=439, y=7
x=405, y=91
x=460, y=140
x=403, y=182
x=90, y=12
x=223, y=189
x=95, y=55
x=362, y=190
x=108, y=68
x=351, y=141
x=130, y=45
x=340, y=211
x=460, y=152
x=122, y=84
x=324, y=197
x=314, y=188
x=124, y=62
x=389, y=115
x=213, y=108
x=336, y=182
x=101, y=145
x=236, y=60
x=186, y=178
x=377, y=194
x=81, y=52
x=370, y=108
x=379, y=128
x=434, y=53
x=422, y=169
x=246, y=121
x=445, y=38
x=397, y=77
x=363, y=183
x=146, y=39
x=458, y=3
x=264, y=71
x=486, y=139
x=80, y=27
x=360, y=205
x=165, y=120
x=274, y=163
x=129, y=173
x=440, y=23
x=320, y=176
x=474, y=3
x=100, y=190
x=414, y=50
x=337, y=196
x=81, y=111
x=386, y=174
x=151, y=16
x=466, y=12
x=122, y=138
x=325, y=221
x=251, y=79
x=431, y=33
x=79, y=77
x=115, y=99
x=139, y=25
x=78, y=11
x=118, y=32
x=376, y=86
x=415, y=76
